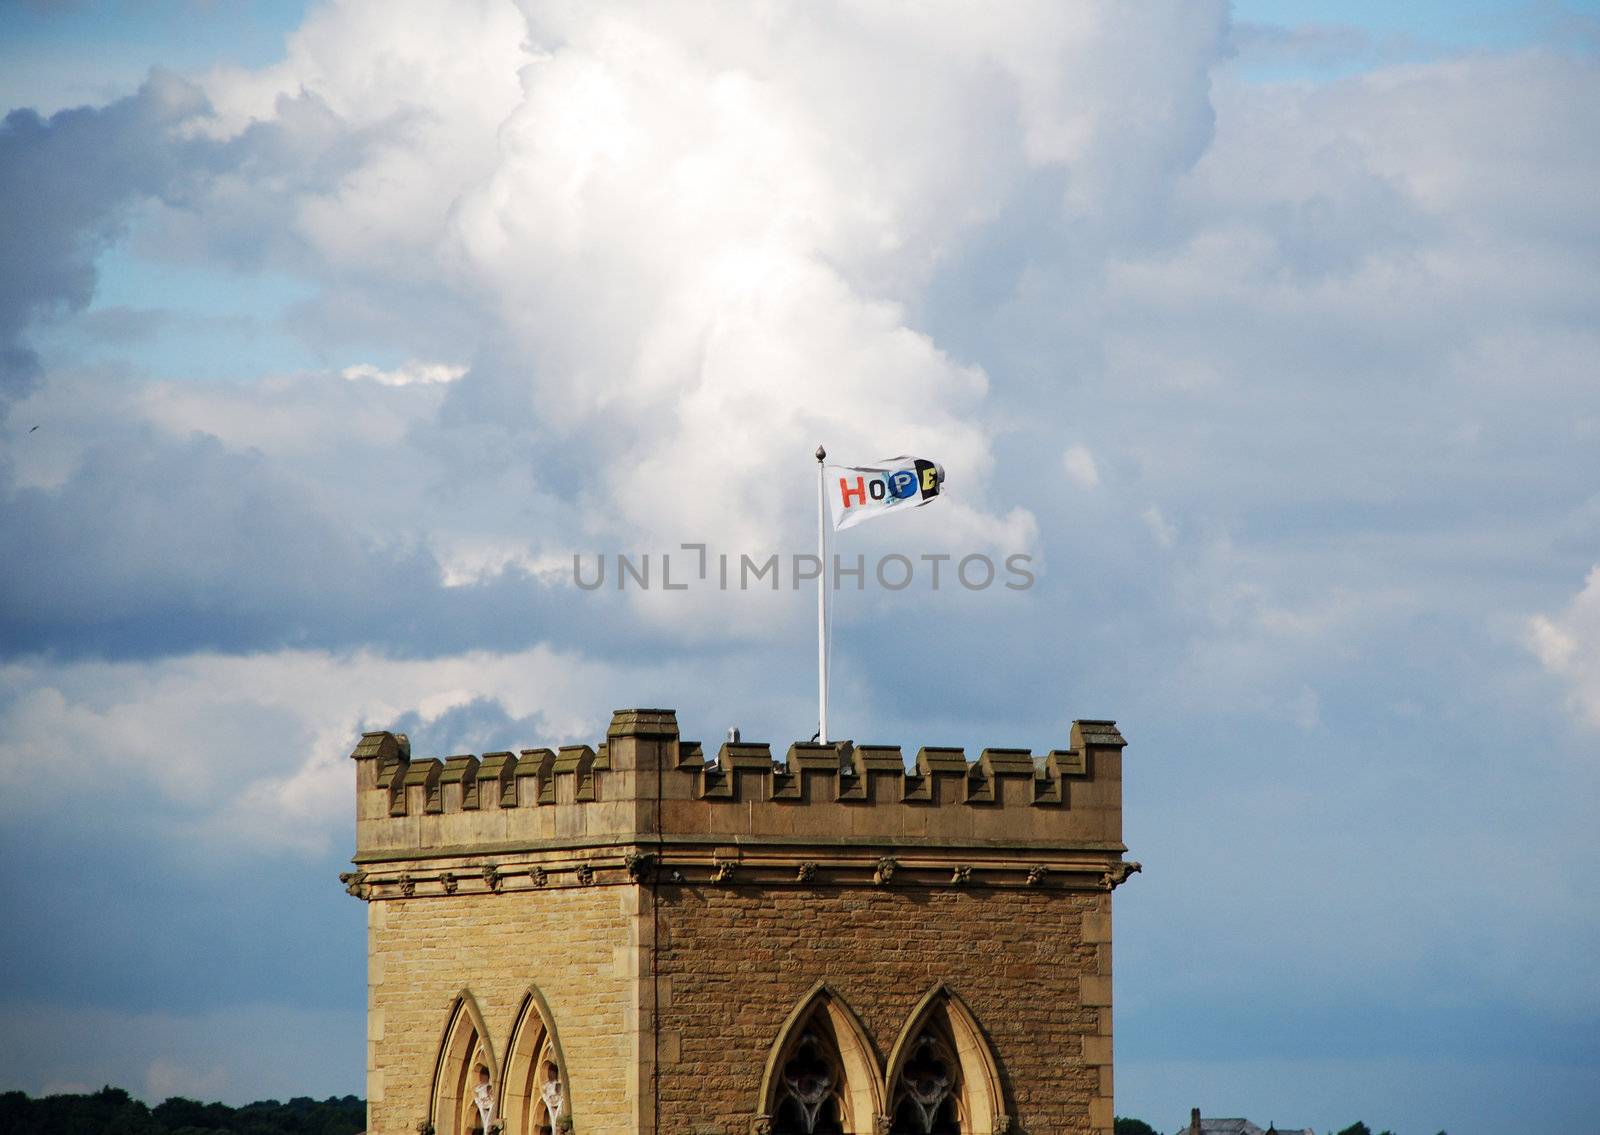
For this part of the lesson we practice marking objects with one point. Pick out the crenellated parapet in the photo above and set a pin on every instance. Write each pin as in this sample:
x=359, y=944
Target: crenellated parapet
x=645, y=805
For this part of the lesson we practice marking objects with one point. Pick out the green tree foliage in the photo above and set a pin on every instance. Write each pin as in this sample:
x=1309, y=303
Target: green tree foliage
x=112, y=1111
x=1125, y=1126
x=1357, y=1128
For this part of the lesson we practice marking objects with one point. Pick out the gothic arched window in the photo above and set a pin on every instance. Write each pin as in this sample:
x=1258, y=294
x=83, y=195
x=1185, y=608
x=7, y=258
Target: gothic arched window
x=821, y=1076
x=810, y=1083
x=466, y=1078
x=536, y=1100
x=943, y=1079
x=927, y=1094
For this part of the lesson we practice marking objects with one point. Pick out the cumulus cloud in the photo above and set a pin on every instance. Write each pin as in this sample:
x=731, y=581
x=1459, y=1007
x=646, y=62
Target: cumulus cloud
x=1568, y=646
x=1322, y=351
x=1080, y=466
x=188, y=731
x=408, y=374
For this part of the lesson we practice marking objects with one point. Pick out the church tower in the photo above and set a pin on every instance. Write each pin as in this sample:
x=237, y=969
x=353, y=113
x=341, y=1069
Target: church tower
x=631, y=938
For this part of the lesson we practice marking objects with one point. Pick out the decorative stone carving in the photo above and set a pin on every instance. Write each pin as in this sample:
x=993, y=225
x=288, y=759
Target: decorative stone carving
x=638, y=864
x=884, y=874
x=882, y=1124
x=961, y=876
x=585, y=875
x=554, y=1101
x=1036, y=874
x=929, y=1079
x=1119, y=873
x=424, y=1127
x=354, y=883
x=492, y=878
x=448, y=882
x=723, y=872
x=761, y=1125
x=806, y=872
x=539, y=876
x=408, y=885
x=1003, y=1125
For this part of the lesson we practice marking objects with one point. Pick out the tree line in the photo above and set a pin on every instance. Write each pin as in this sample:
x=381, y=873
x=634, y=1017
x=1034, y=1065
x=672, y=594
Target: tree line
x=1126, y=1126
x=112, y=1111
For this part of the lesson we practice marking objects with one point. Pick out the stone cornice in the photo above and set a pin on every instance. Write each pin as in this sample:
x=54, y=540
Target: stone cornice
x=811, y=867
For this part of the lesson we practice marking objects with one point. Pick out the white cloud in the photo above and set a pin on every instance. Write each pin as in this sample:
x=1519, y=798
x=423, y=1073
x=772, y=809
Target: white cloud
x=1079, y=464
x=679, y=244
x=694, y=232
x=410, y=373
x=1165, y=532
x=191, y=728
x=1568, y=646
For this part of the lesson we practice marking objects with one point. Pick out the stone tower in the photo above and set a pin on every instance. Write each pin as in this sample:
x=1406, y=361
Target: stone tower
x=635, y=939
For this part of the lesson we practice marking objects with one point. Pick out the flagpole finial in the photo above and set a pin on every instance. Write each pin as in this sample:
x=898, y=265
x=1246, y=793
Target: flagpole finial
x=821, y=454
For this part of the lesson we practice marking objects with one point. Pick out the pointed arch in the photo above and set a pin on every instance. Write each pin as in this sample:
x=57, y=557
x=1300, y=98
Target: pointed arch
x=821, y=1073
x=535, y=1094
x=463, y=1046
x=957, y=1084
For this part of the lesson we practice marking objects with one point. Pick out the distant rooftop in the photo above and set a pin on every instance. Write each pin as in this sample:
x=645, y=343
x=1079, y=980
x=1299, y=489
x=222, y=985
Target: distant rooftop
x=1199, y=1125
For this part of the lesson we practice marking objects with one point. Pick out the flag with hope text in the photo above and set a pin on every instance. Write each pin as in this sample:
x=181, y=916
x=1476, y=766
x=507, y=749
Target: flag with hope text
x=863, y=492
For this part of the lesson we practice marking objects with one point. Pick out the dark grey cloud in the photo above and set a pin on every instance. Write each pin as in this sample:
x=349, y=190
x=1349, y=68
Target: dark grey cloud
x=67, y=182
x=158, y=545
x=483, y=725
x=1329, y=351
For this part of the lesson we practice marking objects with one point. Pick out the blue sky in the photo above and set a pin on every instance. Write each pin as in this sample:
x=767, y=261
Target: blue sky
x=1268, y=332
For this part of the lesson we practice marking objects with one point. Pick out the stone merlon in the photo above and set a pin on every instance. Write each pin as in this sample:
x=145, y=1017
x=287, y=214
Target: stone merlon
x=645, y=795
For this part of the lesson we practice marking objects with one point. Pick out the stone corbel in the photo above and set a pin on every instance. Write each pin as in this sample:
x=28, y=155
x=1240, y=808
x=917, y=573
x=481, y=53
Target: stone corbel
x=639, y=864
x=1118, y=874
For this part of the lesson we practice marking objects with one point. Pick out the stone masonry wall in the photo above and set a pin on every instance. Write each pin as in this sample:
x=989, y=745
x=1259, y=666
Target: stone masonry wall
x=672, y=910
x=1033, y=965
x=578, y=946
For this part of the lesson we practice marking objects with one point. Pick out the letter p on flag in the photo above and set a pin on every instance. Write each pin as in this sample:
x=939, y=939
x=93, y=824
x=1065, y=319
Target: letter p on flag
x=903, y=483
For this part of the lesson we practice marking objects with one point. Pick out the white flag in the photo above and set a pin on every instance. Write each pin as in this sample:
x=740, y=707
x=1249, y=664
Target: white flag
x=862, y=492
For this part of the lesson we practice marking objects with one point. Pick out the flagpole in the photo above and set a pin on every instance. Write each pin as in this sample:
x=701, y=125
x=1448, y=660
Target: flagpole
x=822, y=600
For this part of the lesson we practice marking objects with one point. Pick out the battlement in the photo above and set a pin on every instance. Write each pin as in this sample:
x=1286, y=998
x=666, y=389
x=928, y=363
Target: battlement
x=644, y=791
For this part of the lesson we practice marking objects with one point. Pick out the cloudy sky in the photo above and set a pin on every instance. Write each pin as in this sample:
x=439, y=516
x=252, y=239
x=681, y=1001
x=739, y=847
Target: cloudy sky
x=330, y=332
